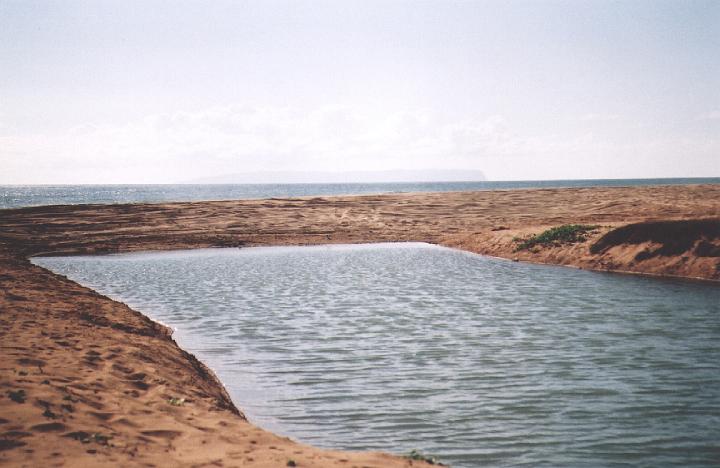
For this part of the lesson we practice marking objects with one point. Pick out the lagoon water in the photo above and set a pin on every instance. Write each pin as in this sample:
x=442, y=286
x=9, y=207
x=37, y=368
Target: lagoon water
x=479, y=361
x=16, y=196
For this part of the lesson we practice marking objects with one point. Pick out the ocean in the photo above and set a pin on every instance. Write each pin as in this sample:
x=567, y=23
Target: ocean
x=17, y=196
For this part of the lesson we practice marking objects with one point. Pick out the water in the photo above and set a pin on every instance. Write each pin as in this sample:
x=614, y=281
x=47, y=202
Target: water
x=479, y=361
x=15, y=196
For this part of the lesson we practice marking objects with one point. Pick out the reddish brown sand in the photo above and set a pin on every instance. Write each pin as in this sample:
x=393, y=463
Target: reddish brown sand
x=86, y=381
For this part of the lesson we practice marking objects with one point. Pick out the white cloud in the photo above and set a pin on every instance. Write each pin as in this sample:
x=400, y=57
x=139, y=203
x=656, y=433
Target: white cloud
x=166, y=148
x=712, y=115
x=226, y=140
x=594, y=117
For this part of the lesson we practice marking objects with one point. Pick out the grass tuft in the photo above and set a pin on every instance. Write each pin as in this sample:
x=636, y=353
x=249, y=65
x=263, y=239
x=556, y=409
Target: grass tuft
x=565, y=234
x=419, y=456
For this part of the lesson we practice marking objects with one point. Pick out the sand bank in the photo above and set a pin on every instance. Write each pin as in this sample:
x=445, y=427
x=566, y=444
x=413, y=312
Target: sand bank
x=87, y=381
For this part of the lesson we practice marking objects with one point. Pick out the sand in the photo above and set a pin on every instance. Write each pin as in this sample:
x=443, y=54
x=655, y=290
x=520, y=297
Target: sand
x=86, y=381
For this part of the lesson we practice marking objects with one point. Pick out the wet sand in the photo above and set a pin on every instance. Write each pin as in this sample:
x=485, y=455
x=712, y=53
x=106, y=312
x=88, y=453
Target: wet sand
x=86, y=381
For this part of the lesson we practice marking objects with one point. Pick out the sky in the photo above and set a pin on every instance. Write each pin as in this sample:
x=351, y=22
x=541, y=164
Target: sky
x=163, y=92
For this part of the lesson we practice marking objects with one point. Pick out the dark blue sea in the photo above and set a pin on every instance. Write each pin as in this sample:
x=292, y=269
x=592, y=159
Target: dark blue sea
x=16, y=196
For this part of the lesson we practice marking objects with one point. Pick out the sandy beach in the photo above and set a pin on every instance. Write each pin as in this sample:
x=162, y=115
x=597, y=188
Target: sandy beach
x=86, y=381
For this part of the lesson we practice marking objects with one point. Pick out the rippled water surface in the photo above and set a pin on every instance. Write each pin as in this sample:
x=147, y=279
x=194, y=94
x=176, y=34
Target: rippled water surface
x=481, y=362
x=15, y=196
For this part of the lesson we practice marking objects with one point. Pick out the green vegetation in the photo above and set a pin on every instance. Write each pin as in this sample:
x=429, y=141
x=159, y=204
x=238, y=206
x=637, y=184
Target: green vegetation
x=176, y=401
x=101, y=439
x=565, y=234
x=86, y=437
x=417, y=455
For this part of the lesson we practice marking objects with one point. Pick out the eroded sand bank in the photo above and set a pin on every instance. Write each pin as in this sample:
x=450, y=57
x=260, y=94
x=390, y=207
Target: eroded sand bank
x=86, y=381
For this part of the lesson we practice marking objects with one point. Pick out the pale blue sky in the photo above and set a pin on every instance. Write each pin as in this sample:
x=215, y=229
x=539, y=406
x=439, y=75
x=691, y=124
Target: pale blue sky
x=143, y=91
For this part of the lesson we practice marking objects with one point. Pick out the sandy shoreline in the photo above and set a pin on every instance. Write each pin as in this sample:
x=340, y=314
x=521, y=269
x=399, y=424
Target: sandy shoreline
x=88, y=381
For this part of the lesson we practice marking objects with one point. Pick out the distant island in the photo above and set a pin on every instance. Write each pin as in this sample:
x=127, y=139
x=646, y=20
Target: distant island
x=315, y=177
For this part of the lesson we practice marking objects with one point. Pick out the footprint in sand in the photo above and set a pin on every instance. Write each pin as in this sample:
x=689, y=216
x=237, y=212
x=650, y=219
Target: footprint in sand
x=101, y=416
x=138, y=380
x=7, y=444
x=49, y=427
x=93, y=358
x=18, y=396
x=31, y=362
x=163, y=434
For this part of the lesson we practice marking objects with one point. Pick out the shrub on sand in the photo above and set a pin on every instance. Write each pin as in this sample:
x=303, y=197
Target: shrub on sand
x=565, y=234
